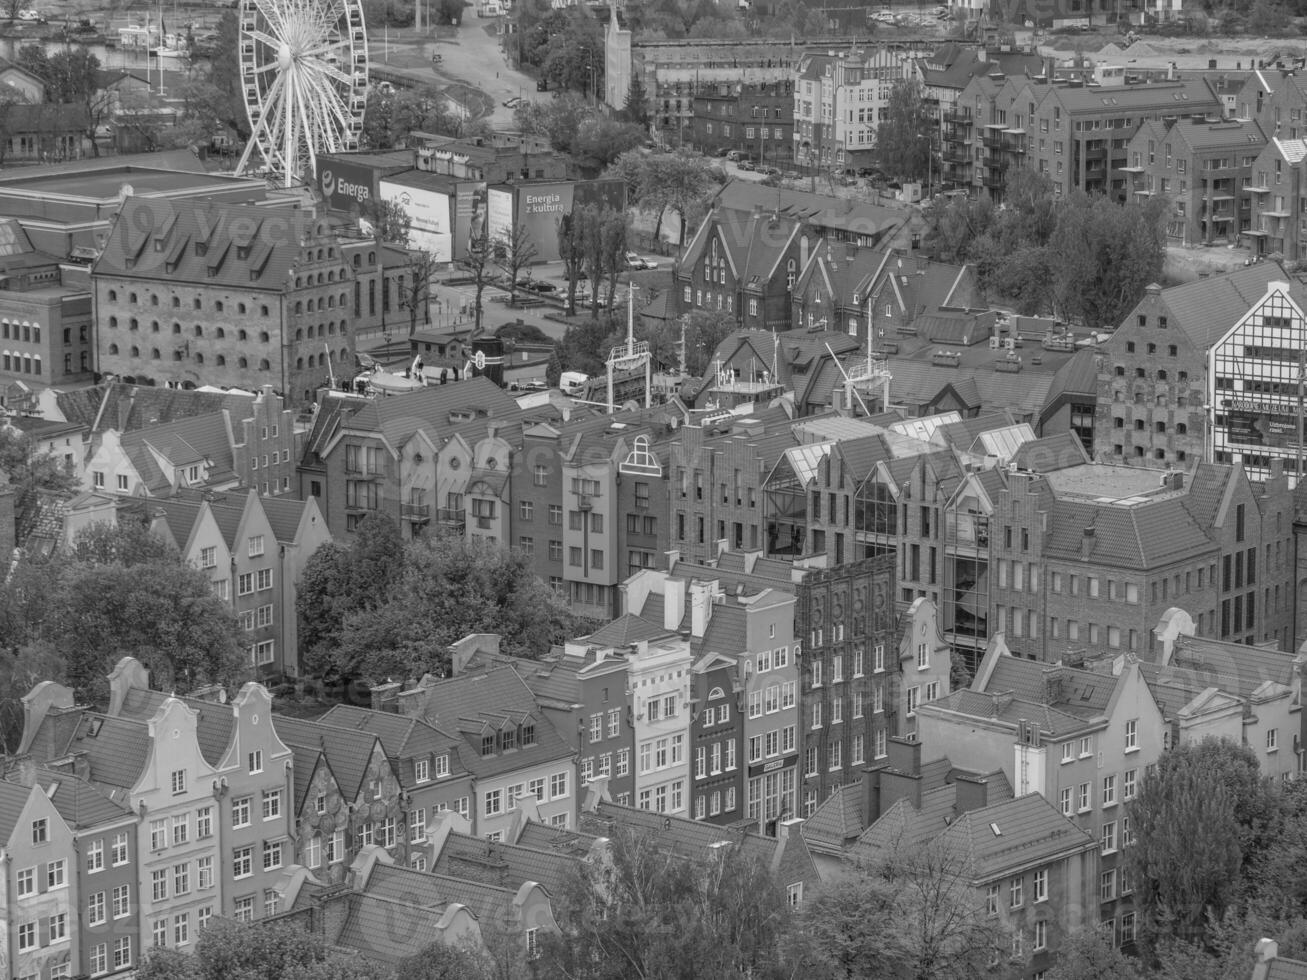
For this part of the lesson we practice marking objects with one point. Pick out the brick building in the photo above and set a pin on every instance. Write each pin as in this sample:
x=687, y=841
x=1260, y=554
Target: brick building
x=755, y=119
x=1277, y=195
x=232, y=295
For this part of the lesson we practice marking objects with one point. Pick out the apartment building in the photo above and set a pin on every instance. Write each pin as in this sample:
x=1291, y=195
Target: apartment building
x=755, y=119
x=1079, y=136
x=380, y=455
x=1275, y=224
x=1081, y=740
x=840, y=99
x=1204, y=169
x=1274, y=99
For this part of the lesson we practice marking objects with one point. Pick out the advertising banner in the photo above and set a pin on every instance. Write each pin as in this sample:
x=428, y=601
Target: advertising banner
x=1253, y=423
x=469, y=213
x=499, y=213
x=430, y=212
x=345, y=186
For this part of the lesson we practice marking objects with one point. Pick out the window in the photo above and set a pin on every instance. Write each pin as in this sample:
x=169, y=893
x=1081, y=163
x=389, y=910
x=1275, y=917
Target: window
x=1082, y=798
x=26, y=882
x=271, y=855
x=494, y=802
x=242, y=862
x=557, y=785
x=991, y=900
x=1128, y=783
x=203, y=823
x=58, y=929
x=1041, y=885
x=56, y=875
x=1132, y=735
x=40, y=831
x=179, y=778
x=181, y=829
x=181, y=879
x=158, y=835
x=181, y=928
x=122, y=901
x=1107, y=886
x=256, y=545
x=271, y=804
x=1015, y=897
x=1272, y=740
x=1109, y=837
x=1109, y=791
x=245, y=908
x=97, y=909
x=240, y=812
x=27, y=936
x=1041, y=935
x=100, y=959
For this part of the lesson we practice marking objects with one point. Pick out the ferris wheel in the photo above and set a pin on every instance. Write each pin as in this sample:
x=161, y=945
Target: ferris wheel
x=304, y=72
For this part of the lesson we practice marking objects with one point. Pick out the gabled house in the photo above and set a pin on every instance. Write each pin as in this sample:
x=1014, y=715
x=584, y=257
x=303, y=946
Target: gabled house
x=156, y=766
x=159, y=460
x=347, y=796
x=511, y=748
x=252, y=785
x=430, y=764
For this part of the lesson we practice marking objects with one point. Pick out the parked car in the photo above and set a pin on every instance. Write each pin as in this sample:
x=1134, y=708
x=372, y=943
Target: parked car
x=513, y=103
x=772, y=171
x=635, y=261
x=540, y=286
x=746, y=165
x=791, y=175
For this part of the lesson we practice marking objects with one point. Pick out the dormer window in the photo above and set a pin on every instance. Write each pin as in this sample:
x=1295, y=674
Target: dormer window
x=201, y=248
x=422, y=770
x=487, y=745
x=528, y=734
x=508, y=737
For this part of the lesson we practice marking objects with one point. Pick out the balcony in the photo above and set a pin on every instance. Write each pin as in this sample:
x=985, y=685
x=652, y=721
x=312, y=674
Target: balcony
x=415, y=512
x=452, y=517
x=993, y=140
x=994, y=179
x=957, y=116
x=956, y=157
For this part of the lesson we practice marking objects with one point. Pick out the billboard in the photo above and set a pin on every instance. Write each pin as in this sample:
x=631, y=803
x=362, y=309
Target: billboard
x=1252, y=423
x=345, y=186
x=469, y=213
x=430, y=213
x=499, y=212
x=538, y=206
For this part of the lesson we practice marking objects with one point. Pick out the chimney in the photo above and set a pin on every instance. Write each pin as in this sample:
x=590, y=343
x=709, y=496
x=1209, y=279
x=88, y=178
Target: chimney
x=701, y=596
x=787, y=828
x=27, y=771
x=385, y=697
x=1087, y=542
x=904, y=753
x=895, y=786
x=970, y=793
x=673, y=603
x=462, y=651
x=1266, y=953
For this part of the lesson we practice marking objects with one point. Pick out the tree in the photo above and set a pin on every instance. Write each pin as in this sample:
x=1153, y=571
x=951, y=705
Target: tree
x=612, y=240
x=479, y=261
x=340, y=581
x=903, y=136
x=1104, y=255
x=31, y=472
x=648, y=912
x=448, y=588
x=514, y=251
x=571, y=250
x=390, y=222
x=680, y=181
x=165, y=613
x=1268, y=18
x=442, y=961
x=1091, y=954
x=228, y=950
x=73, y=77
x=128, y=542
x=1199, y=816
x=415, y=291
x=636, y=108
x=451, y=11
x=224, y=75
x=914, y=912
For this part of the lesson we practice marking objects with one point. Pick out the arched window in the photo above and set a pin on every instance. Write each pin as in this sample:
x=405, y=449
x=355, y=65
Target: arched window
x=199, y=330
x=299, y=364
x=154, y=326
x=263, y=337
x=113, y=349
x=221, y=333
x=1161, y=375
x=176, y=328
x=358, y=261
x=242, y=335
x=177, y=355
x=1120, y=371
x=154, y=354
x=176, y=302
x=221, y=361
x=264, y=365
x=134, y=324
x=331, y=327
x=331, y=275
x=113, y=322
x=263, y=310
x=131, y=297
x=199, y=358
x=154, y=299
x=331, y=302
x=113, y=296
x=197, y=302
x=299, y=333
x=242, y=363
x=372, y=258
x=218, y=306
x=299, y=306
